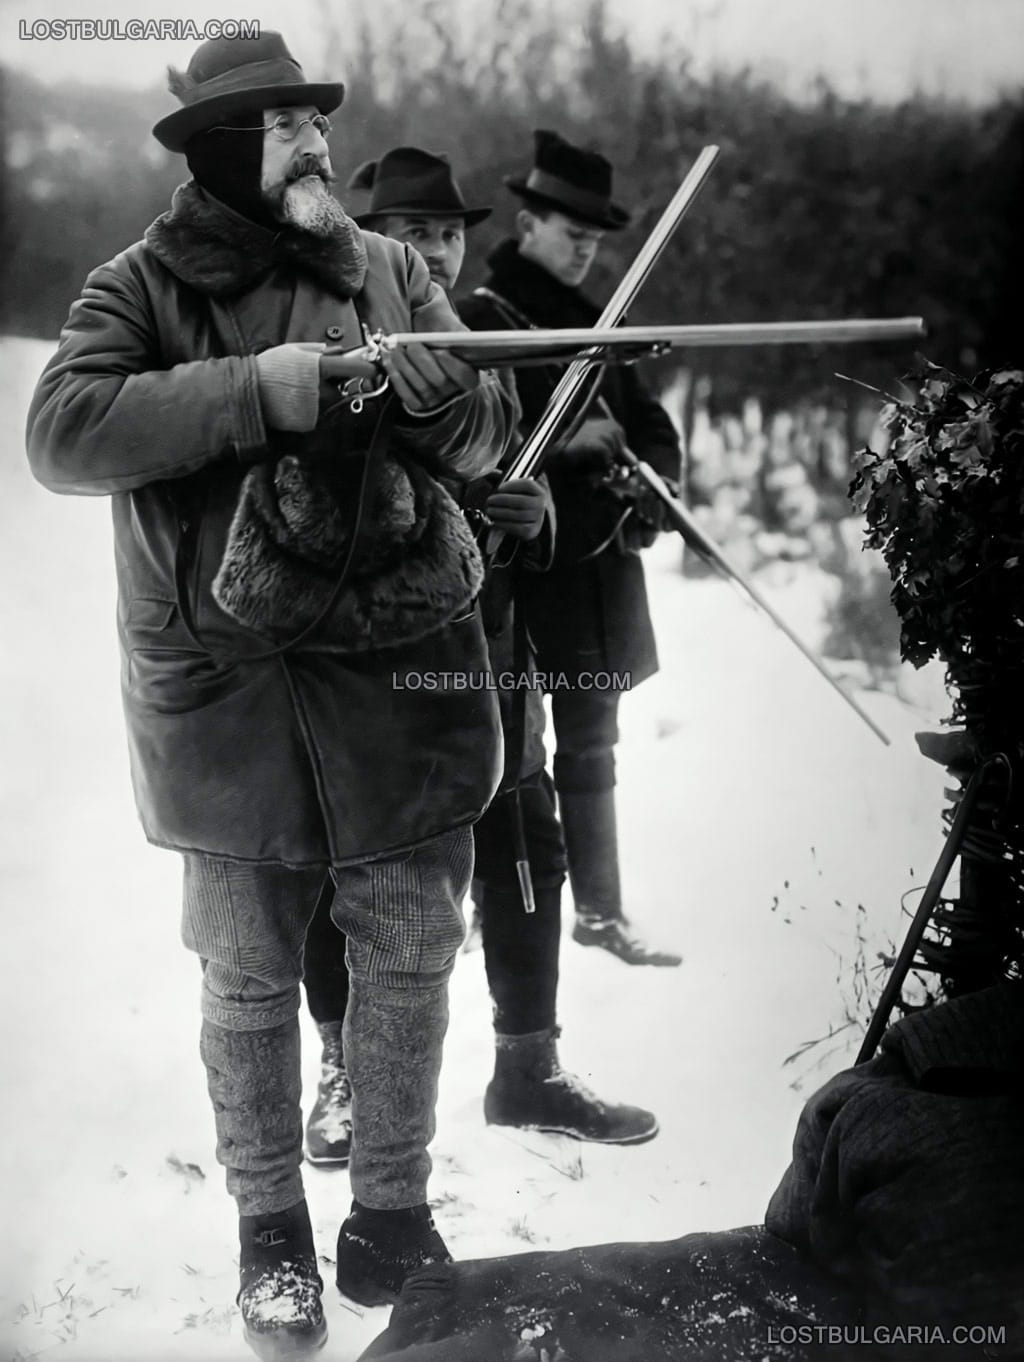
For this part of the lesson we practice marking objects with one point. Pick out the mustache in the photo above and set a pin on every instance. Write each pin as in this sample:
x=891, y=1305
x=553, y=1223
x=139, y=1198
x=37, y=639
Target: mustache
x=308, y=164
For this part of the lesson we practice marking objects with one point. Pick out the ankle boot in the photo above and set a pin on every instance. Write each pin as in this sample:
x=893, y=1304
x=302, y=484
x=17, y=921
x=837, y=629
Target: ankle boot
x=329, y=1128
x=531, y=1090
x=279, y=1289
x=591, y=845
x=377, y=1250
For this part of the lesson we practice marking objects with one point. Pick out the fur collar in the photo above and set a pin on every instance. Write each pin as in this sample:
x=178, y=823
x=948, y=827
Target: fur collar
x=220, y=253
x=539, y=294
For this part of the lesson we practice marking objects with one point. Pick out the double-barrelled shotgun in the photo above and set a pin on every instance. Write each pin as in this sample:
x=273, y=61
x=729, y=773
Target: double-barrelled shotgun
x=585, y=350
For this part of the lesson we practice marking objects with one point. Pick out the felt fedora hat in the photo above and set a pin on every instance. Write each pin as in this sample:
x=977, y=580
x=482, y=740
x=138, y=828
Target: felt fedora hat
x=229, y=76
x=409, y=181
x=576, y=182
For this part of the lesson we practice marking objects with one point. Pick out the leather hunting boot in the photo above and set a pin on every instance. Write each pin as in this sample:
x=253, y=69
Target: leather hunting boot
x=377, y=1250
x=329, y=1128
x=531, y=1090
x=280, y=1286
x=591, y=844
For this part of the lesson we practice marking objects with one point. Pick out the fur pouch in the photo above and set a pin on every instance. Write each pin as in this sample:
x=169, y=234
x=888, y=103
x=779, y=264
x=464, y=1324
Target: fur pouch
x=418, y=568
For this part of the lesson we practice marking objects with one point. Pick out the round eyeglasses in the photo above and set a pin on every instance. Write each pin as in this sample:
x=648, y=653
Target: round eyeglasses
x=285, y=127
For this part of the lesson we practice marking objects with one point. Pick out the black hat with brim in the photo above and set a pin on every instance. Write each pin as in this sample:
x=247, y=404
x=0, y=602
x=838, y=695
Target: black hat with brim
x=577, y=183
x=410, y=182
x=470, y=216
x=230, y=76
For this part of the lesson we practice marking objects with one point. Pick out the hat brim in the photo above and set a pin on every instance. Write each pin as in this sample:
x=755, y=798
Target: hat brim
x=175, y=130
x=470, y=216
x=612, y=221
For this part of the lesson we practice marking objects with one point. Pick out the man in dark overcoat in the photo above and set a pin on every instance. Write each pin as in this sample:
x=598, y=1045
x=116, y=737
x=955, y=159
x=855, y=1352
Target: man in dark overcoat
x=588, y=613
x=286, y=558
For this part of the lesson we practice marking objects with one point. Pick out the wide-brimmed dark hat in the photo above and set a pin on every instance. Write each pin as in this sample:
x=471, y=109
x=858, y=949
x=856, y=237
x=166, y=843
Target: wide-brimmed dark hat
x=414, y=182
x=576, y=182
x=228, y=76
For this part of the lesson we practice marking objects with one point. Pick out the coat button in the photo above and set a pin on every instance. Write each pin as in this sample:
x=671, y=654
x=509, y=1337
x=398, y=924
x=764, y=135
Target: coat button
x=335, y=332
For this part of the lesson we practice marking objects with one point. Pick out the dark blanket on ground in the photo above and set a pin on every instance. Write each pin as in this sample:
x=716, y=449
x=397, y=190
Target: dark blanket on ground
x=733, y=1295
x=903, y=1210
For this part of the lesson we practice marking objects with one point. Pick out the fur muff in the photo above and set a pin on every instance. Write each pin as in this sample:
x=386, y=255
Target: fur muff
x=289, y=540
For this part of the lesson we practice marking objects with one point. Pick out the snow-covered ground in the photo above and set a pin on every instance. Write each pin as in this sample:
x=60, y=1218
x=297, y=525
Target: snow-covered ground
x=757, y=813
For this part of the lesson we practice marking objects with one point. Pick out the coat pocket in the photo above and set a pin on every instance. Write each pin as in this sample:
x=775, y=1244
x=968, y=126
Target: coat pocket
x=151, y=613
x=174, y=681
x=166, y=672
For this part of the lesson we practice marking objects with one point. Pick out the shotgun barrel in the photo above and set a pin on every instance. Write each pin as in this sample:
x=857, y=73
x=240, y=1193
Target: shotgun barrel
x=581, y=348
x=604, y=344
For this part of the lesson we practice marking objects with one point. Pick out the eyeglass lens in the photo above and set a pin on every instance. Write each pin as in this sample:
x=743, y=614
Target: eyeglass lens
x=288, y=127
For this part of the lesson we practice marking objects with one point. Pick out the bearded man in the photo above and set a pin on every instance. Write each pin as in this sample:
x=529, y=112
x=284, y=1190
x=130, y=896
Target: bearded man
x=283, y=555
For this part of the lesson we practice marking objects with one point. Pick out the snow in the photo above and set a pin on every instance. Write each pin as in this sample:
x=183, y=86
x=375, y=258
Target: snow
x=283, y=1297
x=757, y=812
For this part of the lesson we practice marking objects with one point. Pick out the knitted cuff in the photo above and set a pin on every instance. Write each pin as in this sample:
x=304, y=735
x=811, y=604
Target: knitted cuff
x=289, y=378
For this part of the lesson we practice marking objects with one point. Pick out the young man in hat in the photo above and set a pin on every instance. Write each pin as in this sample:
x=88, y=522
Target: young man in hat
x=588, y=613
x=414, y=198
x=282, y=554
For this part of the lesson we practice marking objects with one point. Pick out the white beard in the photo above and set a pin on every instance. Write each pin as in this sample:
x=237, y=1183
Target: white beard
x=309, y=206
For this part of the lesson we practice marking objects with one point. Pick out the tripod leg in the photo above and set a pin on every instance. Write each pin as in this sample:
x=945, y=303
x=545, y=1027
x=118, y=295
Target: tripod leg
x=932, y=894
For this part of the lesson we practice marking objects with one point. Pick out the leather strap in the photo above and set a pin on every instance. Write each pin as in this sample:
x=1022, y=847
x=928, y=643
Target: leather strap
x=188, y=525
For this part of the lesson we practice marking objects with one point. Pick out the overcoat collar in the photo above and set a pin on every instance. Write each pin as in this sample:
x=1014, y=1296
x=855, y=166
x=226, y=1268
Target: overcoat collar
x=217, y=251
x=540, y=295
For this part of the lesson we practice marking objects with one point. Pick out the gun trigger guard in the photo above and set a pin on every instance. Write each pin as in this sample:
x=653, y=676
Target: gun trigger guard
x=356, y=395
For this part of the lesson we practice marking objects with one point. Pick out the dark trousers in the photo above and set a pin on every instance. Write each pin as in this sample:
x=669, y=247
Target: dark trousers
x=520, y=948
x=586, y=731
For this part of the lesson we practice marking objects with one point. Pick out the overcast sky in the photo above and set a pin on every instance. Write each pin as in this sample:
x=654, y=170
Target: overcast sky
x=883, y=48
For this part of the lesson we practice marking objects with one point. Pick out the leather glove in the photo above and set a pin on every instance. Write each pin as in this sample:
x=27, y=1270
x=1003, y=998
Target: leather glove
x=651, y=509
x=649, y=516
x=517, y=508
x=424, y=380
x=594, y=447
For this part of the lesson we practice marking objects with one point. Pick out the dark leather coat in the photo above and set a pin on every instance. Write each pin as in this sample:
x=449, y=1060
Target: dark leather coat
x=313, y=755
